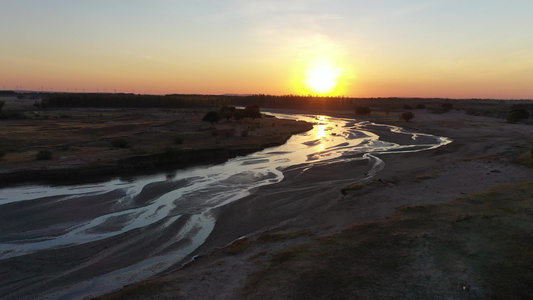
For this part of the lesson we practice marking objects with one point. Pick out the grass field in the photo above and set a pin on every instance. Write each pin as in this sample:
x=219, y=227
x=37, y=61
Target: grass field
x=476, y=247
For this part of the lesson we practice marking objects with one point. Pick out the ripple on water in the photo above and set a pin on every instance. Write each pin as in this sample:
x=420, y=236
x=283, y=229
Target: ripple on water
x=254, y=162
x=312, y=143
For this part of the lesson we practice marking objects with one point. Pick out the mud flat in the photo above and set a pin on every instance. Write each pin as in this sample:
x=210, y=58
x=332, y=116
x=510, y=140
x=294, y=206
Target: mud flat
x=449, y=222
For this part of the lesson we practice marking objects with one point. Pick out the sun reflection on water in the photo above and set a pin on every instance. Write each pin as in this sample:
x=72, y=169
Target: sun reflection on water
x=321, y=132
x=321, y=127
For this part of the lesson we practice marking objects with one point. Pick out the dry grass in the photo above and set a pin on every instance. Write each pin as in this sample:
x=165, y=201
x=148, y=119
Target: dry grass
x=240, y=245
x=351, y=188
x=526, y=159
x=82, y=138
x=477, y=247
x=137, y=291
x=237, y=246
x=425, y=176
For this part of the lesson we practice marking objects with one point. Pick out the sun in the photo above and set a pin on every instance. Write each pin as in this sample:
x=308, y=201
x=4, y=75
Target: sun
x=322, y=77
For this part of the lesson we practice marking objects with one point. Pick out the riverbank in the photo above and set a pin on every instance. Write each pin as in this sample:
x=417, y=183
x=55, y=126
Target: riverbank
x=294, y=231
x=89, y=144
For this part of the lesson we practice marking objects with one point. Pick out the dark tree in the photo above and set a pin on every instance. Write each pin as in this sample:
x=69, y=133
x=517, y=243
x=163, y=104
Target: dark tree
x=362, y=110
x=516, y=114
x=227, y=112
x=407, y=116
x=420, y=106
x=238, y=115
x=252, y=111
x=2, y=103
x=407, y=106
x=447, y=106
x=44, y=154
x=212, y=116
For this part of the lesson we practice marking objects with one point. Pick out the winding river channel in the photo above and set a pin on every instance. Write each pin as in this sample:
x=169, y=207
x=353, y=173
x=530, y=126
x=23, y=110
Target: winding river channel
x=63, y=238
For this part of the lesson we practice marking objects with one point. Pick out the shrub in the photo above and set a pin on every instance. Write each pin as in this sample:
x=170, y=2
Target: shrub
x=120, y=143
x=420, y=106
x=227, y=112
x=517, y=114
x=244, y=133
x=171, y=153
x=178, y=140
x=229, y=133
x=252, y=111
x=2, y=103
x=12, y=116
x=238, y=115
x=44, y=154
x=407, y=116
x=362, y=110
x=407, y=106
x=2, y=153
x=447, y=106
x=212, y=117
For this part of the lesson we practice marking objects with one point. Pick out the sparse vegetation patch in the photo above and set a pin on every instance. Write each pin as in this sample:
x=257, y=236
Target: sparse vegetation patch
x=120, y=143
x=178, y=140
x=477, y=247
x=526, y=159
x=43, y=154
x=237, y=246
x=426, y=176
x=407, y=116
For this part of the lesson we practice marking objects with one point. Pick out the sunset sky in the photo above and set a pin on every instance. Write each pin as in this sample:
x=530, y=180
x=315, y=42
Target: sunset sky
x=378, y=48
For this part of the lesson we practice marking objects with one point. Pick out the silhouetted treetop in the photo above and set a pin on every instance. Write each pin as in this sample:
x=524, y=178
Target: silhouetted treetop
x=362, y=110
x=212, y=116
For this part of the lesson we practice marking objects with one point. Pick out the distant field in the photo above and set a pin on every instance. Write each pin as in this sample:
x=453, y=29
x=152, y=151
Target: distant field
x=132, y=138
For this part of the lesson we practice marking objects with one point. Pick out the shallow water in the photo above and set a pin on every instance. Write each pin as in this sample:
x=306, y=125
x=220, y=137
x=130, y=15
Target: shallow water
x=171, y=211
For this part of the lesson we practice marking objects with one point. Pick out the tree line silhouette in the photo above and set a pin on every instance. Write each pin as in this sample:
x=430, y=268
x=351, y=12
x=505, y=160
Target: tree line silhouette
x=361, y=106
x=195, y=100
x=131, y=100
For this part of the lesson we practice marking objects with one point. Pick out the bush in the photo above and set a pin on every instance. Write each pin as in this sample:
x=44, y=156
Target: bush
x=252, y=111
x=2, y=103
x=420, y=106
x=171, y=153
x=447, y=106
x=212, y=117
x=362, y=110
x=44, y=154
x=227, y=112
x=12, y=116
x=517, y=114
x=229, y=133
x=120, y=143
x=178, y=140
x=2, y=153
x=407, y=106
x=238, y=115
x=244, y=133
x=407, y=116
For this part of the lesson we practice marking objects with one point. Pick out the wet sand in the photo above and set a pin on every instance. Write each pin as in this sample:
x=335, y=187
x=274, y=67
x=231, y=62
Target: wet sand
x=310, y=204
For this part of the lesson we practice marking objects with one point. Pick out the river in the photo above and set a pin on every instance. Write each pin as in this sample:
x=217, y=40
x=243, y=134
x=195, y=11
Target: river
x=147, y=224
